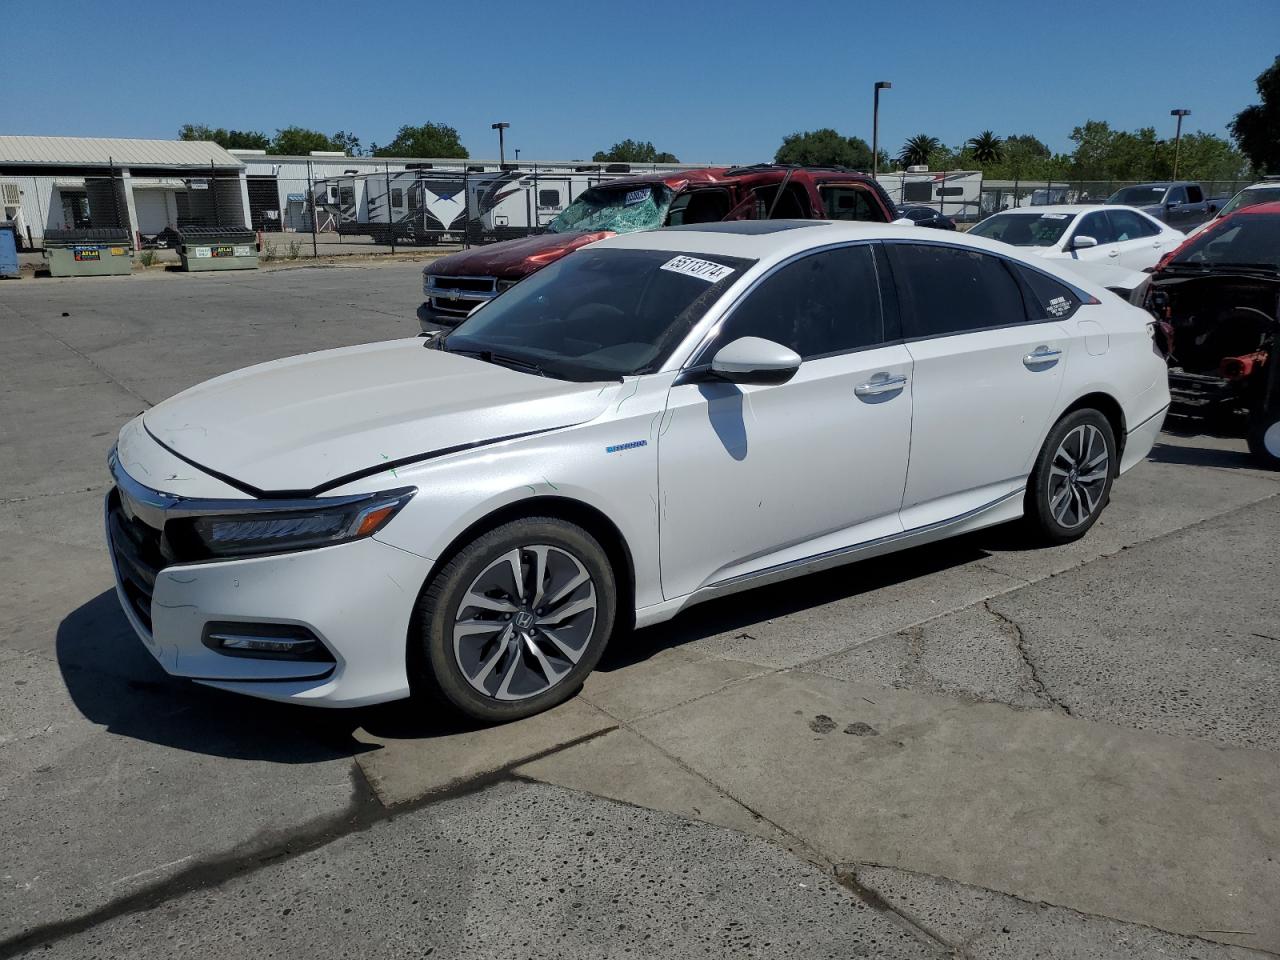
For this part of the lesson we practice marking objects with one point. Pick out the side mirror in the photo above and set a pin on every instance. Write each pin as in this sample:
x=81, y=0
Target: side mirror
x=1173, y=203
x=1080, y=242
x=754, y=360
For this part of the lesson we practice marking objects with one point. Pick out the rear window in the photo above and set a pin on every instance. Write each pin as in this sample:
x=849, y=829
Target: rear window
x=947, y=290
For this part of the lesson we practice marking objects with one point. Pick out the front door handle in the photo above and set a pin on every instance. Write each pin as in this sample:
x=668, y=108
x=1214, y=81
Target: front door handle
x=1041, y=356
x=880, y=384
x=1113, y=253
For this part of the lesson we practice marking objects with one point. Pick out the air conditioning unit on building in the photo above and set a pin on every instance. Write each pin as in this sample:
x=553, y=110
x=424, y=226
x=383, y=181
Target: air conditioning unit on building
x=10, y=195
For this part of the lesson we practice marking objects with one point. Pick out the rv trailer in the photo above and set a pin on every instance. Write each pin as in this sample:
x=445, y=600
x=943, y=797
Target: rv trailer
x=955, y=193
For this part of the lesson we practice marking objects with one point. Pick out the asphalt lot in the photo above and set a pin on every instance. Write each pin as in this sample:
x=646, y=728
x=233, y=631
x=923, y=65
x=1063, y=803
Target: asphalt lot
x=971, y=749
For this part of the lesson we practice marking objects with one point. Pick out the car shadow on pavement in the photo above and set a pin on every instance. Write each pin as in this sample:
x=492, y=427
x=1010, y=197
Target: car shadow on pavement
x=742, y=610
x=1203, y=456
x=114, y=682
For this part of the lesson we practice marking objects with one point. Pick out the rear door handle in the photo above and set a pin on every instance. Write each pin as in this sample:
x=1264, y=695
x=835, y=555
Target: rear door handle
x=1041, y=356
x=880, y=384
x=1113, y=253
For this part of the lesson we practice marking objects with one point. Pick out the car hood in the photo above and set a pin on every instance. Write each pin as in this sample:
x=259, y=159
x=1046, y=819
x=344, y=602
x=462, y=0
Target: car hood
x=1104, y=274
x=306, y=424
x=513, y=259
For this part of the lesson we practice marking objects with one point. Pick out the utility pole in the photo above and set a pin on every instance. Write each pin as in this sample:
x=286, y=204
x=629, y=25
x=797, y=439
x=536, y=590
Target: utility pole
x=502, y=151
x=1177, y=138
x=875, y=125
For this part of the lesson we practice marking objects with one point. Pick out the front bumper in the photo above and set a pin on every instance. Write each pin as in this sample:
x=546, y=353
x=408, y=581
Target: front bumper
x=432, y=321
x=357, y=598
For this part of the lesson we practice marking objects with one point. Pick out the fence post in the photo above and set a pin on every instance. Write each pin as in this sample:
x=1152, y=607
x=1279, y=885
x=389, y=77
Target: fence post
x=311, y=206
x=466, y=208
x=391, y=227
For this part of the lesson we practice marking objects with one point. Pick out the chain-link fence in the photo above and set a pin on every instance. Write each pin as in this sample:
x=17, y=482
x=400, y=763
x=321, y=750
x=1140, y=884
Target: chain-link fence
x=397, y=209
x=1000, y=195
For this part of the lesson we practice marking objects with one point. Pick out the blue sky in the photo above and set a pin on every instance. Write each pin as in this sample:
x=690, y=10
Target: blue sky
x=723, y=81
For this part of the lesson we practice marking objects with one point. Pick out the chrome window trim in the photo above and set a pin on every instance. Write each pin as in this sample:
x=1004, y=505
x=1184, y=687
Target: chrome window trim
x=154, y=507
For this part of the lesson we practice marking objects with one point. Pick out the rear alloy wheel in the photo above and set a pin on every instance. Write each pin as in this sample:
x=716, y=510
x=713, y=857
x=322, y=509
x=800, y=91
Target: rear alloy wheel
x=517, y=619
x=1071, y=481
x=1264, y=438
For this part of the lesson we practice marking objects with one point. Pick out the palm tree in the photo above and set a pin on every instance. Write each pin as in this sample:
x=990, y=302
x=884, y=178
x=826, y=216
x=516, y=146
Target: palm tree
x=916, y=150
x=987, y=147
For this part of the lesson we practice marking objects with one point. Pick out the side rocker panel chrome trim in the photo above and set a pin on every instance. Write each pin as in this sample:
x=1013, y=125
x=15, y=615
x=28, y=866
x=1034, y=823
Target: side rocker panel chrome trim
x=850, y=554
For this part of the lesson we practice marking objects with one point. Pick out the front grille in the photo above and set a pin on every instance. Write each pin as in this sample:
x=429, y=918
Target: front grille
x=138, y=551
x=459, y=295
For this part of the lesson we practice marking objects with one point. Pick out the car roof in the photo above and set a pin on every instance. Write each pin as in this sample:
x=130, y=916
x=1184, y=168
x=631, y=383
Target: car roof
x=1273, y=208
x=1071, y=208
x=729, y=239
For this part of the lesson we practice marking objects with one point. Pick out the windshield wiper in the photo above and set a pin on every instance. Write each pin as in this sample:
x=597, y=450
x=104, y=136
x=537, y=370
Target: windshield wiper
x=502, y=360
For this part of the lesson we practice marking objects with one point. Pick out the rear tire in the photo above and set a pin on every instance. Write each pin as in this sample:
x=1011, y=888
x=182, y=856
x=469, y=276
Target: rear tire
x=498, y=645
x=1070, y=484
x=1264, y=438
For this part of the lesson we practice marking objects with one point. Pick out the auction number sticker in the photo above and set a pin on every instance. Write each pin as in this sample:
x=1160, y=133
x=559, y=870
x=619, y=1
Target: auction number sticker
x=702, y=269
x=636, y=196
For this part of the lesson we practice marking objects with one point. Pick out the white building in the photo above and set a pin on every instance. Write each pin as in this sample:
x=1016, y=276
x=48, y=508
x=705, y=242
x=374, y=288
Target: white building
x=141, y=185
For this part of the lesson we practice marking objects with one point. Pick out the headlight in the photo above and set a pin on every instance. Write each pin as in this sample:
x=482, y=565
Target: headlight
x=267, y=531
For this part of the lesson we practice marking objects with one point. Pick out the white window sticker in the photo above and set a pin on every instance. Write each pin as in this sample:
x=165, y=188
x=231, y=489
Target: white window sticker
x=636, y=196
x=1056, y=216
x=1059, y=305
x=702, y=269
x=203, y=252
x=244, y=250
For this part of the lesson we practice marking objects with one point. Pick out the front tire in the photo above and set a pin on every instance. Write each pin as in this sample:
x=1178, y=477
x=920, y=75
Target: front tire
x=1071, y=481
x=515, y=621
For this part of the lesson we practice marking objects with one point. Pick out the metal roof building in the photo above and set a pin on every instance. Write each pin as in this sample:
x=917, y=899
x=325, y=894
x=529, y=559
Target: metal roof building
x=144, y=186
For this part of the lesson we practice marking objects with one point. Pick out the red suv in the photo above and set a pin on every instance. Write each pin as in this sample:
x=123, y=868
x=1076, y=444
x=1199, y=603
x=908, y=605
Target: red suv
x=456, y=284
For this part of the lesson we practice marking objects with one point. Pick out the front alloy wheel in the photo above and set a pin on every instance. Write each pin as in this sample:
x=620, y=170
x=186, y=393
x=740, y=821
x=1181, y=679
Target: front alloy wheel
x=524, y=622
x=513, y=623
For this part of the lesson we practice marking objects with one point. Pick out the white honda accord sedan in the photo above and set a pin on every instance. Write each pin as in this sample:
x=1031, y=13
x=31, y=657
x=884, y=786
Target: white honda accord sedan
x=654, y=420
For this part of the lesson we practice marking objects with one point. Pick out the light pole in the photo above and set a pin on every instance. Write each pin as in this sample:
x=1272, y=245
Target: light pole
x=875, y=125
x=1177, y=137
x=502, y=151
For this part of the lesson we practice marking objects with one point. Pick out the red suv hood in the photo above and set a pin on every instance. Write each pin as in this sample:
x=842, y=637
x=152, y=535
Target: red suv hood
x=513, y=259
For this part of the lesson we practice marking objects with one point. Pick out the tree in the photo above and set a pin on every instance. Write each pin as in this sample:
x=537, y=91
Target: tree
x=1256, y=128
x=299, y=141
x=986, y=147
x=917, y=149
x=824, y=148
x=348, y=142
x=427, y=140
x=633, y=151
x=230, y=139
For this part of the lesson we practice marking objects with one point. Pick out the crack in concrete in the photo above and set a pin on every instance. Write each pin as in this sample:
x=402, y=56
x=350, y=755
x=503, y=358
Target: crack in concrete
x=8, y=501
x=1020, y=645
x=363, y=812
x=846, y=874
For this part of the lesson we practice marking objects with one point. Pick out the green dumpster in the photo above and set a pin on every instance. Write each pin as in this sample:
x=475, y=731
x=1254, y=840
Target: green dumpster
x=218, y=248
x=99, y=252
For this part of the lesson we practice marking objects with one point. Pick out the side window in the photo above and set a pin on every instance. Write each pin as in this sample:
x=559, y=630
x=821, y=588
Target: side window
x=397, y=197
x=793, y=205
x=1130, y=225
x=825, y=303
x=946, y=290
x=1050, y=299
x=1177, y=195
x=1194, y=194
x=548, y=198
x=698, y=206
x=848, y=203
x=1096, y=225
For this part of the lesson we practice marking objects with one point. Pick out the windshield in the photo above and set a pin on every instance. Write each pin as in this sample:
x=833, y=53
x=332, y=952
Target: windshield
x=1147, y=196
x=1250, y=196
x=622, y=209
x=597, y=314
x=1025, y=229
x=1251, y=240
